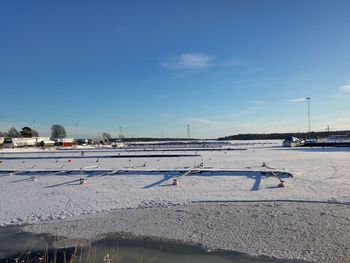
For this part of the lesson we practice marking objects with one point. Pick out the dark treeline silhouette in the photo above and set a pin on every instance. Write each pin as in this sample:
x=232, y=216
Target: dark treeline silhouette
x=149, y=139
x=273, y=136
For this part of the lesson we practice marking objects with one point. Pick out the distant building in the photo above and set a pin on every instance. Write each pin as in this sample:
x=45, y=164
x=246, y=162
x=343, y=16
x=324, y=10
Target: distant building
x=292, y=142
x=27, y=142
x=339, y=138
x=66, y=142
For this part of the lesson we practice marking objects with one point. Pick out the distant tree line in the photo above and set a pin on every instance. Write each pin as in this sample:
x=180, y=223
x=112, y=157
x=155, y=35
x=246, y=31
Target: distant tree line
x=26, y=132
x=57, y=132
x=277, y=136
x=150, y=139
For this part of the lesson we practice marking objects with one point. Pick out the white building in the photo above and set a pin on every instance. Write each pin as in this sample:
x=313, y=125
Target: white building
x=27, y=142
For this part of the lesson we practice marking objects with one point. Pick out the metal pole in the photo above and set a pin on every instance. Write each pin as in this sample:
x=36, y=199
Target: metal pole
x=120, y=133
x=308, y=111
x=76, y=129
x=188, y=132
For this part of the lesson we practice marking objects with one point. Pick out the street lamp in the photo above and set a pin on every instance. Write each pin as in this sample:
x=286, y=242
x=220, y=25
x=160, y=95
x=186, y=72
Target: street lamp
x=308, y=112
x=76, y=130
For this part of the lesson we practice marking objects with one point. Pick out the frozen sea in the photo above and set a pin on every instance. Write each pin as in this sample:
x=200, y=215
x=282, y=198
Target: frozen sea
x=144, y=178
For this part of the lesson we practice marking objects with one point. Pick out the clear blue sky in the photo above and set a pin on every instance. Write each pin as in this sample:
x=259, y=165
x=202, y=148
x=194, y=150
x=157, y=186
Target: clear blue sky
x=152, y=67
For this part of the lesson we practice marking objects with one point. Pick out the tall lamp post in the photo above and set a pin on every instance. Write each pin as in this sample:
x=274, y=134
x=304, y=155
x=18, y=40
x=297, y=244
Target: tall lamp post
x=76, y=130
x=308, y=113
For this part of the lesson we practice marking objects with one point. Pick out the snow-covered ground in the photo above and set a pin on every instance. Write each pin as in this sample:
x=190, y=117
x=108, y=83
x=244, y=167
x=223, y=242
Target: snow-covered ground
x=320, y=174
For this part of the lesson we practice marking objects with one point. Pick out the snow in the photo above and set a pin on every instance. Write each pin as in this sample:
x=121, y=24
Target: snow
x=320, y=174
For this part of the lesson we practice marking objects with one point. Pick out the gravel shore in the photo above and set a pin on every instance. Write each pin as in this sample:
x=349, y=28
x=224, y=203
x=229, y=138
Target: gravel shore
x=310, y=231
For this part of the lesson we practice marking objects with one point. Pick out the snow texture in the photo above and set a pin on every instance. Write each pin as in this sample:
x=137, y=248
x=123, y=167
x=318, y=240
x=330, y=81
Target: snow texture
x=320, y=174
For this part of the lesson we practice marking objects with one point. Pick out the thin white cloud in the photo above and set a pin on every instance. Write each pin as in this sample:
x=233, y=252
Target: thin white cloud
x=297, y=100
x=344, y=89
x=343, y=92
x=188, y=61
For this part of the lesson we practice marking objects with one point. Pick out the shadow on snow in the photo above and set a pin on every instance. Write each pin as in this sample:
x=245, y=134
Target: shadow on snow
x=254, y=175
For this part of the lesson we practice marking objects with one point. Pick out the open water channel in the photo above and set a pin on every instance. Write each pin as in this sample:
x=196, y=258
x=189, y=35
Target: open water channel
x=19, y=246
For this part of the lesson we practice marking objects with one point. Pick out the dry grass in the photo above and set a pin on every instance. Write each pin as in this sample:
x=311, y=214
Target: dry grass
x=77, y=254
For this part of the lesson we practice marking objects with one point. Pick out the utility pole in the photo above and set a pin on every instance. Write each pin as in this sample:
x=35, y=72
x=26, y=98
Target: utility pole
x=308, y=113
x=76, y=130
x=121, y=136
x=188, y=132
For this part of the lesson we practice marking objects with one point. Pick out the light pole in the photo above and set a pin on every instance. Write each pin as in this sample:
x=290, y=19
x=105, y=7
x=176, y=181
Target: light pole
x=120, y=135
x=76, y=130
x=308, y=113
x=188, y=132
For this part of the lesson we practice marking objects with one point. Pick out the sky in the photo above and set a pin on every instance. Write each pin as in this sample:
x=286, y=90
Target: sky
x=152, y=67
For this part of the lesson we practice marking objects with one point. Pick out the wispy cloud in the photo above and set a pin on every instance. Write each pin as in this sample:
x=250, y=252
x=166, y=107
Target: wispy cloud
x=297, y=100
x=343, y=92
x=344, y=89
x=196, y=61
x=188, y=61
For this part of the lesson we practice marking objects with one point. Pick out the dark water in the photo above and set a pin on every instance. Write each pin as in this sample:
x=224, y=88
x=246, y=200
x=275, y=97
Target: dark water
x=15, y=243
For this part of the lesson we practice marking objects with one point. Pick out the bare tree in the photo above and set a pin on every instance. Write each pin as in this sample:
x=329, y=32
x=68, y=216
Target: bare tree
x=13, y=133
x=35, y=133
x=58, y=131
x=106, y=135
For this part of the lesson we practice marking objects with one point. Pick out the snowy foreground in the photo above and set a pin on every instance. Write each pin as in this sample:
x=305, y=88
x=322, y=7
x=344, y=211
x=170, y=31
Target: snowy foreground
x=232, y=206
x=320, y=174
